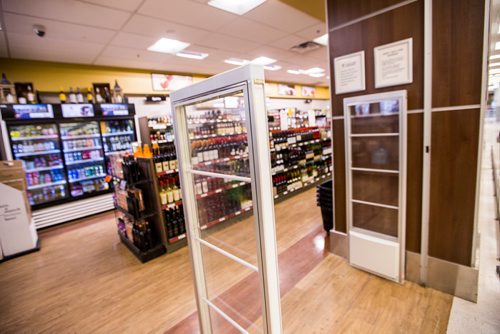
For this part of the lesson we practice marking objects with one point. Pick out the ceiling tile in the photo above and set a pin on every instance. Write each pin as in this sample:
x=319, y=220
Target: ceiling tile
x=133, y=41
x=69, y=11
x=228, y=43
x=269, y=51
x=187, y=12
x=24, y=25
x=32, y=47
x=281, y=16
x=3, y=45
x=128, y=5
x=112, y=61
x=313, y=31
x=288, y=41
x=147, y=26
x=134, y=54
x=252, y=31
x=320, y=54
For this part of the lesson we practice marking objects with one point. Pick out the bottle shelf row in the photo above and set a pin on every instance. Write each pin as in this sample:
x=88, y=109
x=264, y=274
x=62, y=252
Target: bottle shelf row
x=171, y=205
x=35, y=138
x=219, y=190
x=88, y=148
x=166, y=172
x=42, y=185
x=121, y=133
x=69, y=163
x=87, y=178
x=304, y=184
x=216, y=161
x=93, y=135
x=213, y=135
x=225, y=218
x=41, y=169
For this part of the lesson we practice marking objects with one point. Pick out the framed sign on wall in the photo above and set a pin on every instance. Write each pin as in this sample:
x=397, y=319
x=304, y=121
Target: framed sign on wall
x=394, y=63
x=350, y=73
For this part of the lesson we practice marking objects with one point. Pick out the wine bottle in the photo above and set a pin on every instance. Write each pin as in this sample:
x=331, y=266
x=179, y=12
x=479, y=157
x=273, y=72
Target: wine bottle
x=79, y=95
x=62, y=96
x=30, y=95
x=90, y=97
x=72, y=95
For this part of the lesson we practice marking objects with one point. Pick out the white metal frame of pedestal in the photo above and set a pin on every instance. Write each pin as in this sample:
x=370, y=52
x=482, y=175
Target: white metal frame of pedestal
x=248, y=80
x=376, y=252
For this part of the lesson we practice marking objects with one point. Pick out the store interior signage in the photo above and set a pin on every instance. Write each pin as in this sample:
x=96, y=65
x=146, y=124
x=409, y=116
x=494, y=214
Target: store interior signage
x=350, y=73
x=170, y=83
x=27, y=111
x=394, y=63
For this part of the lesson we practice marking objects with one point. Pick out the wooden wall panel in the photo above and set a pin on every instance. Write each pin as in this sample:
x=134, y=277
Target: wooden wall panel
x=453, y=184
x=342, y=11
x=339, y=176
x=457, y=52
x=401, y=23
x=414, y=161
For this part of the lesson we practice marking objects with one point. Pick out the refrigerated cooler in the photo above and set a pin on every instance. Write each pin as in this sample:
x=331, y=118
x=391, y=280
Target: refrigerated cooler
x=64, y=149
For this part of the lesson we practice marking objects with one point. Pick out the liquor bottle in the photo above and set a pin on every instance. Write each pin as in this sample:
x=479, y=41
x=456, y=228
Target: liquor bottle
x=157, y=159
x=117, y=93
x=79, y=95
x=176, y=192
x=170, y=194
x=98, y=96
x=72, y=95
x=90, y=97
x=107, y=95
x=30, y=95
x=62, y=96
x=163, y=193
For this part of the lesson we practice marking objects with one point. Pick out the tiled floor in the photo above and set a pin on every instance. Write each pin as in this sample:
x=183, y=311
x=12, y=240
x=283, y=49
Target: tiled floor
x=483, y=317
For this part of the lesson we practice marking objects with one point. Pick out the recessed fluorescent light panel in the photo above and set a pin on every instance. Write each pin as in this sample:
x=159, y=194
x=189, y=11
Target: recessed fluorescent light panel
x=314, y=70
x=272, y=67
x=323, y=40
x=167, y=45
x=238, y=7
x=495, y=65
x=263, y=61
x=294, y=71
x=317, y=75
x=495, y=57
x=236, y=61
x=192, y=55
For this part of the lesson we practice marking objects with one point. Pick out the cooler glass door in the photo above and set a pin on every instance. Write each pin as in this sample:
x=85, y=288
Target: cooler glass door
x=38, y=147
x=225, y=211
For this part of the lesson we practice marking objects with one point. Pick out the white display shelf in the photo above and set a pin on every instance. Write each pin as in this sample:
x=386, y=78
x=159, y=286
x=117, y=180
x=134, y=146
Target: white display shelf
x=35, y=138
x=18, y=155
x=95, y=135
x=44, y=185
x=87, y=178
x=121, y=133
x=69, y=163
x=90, y=148
x=41, y=169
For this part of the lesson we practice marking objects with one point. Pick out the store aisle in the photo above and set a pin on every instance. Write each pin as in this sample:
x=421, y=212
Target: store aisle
x=84, y=280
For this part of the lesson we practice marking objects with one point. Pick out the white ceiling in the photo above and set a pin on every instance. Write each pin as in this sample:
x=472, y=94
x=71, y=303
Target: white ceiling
x=118, y=32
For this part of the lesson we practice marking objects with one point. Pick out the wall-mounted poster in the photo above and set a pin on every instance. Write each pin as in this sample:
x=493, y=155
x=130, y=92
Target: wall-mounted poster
x=350, y=73
x=167, y=82
x=394, y=63
x=286, y=90
x=308, y=91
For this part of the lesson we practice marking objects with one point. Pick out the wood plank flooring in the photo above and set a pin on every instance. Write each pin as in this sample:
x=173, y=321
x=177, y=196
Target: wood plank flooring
x=85, y=281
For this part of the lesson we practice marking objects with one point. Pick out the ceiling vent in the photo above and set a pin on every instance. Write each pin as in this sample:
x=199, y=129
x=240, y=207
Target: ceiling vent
x=305, y=47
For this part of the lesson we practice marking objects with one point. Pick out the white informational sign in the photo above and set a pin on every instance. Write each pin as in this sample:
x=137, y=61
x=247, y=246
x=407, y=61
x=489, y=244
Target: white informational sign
x=168, y=82
x=350, y=73
x=77, y=110
x=283, y=119
x=394, y=63
x=312, y=117
x=17, y=232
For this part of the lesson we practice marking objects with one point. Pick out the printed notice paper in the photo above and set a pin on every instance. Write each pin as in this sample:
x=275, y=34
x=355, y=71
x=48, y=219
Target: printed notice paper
x=394, y=64
x=350, y=73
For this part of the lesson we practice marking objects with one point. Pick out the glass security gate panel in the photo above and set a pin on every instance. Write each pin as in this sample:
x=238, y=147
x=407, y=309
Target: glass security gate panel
x=222, y=206
x=38, y=147
x=376, y=165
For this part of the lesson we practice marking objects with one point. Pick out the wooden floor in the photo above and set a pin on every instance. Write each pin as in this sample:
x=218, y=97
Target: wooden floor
x=85, y=281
